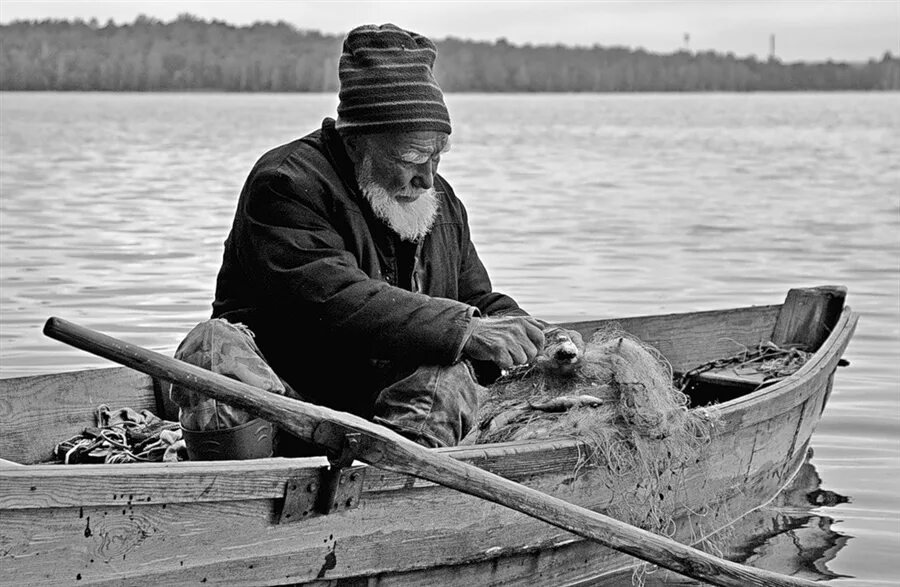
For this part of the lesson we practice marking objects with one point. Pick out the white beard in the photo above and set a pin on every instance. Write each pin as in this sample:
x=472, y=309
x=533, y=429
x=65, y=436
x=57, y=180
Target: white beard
x=411, y=220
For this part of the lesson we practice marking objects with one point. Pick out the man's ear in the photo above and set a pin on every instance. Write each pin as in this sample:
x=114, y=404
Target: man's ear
x=353, y=144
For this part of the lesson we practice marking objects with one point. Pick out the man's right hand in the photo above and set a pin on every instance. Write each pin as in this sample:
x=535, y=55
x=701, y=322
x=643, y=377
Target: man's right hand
x=506, y=341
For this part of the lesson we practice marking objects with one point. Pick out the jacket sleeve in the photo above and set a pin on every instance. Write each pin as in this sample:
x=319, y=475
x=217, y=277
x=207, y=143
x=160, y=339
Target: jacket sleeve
x=475, y=285
x=298, y=260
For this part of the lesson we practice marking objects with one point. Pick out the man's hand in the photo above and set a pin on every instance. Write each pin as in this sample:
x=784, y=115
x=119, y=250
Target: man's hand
x=563, y=350
x=506, y=341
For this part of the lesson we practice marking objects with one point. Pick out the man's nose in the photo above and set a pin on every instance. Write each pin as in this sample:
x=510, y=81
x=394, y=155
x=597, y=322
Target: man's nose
x=424, y=177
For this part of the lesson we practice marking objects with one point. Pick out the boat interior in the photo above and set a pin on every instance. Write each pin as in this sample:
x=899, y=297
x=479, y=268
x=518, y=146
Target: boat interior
x=715, y=357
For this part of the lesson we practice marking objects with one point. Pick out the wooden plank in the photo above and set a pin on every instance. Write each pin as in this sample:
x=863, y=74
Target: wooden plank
x=803, y=305
x=181, y=543
x=388, y=450
x=575, y=561
x=747, y=379
x=155, y=539
x=48, y=486
x=104, y=484
x=364, y=529
x=36, y=413
x=691, y=339
x=54, y=486
x=188, y=542
x=166, y=543
x=808, y=316
x=568, y=561
x=793, y=391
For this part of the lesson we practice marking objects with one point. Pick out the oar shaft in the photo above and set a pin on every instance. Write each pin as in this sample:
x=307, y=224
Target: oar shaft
x=388, y=450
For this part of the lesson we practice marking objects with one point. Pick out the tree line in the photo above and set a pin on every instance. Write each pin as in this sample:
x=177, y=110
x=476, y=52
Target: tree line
x=193, y=54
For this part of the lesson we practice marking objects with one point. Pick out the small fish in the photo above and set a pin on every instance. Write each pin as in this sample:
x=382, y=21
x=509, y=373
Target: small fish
x=567, y=402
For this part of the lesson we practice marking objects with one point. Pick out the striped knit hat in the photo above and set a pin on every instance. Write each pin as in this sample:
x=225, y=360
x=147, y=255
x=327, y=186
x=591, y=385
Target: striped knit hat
x=387, y=83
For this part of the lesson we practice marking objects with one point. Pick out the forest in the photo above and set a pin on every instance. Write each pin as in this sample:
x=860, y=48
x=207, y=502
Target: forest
x=191, y=54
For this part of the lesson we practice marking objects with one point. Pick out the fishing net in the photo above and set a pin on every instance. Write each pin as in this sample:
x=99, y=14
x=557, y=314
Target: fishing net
x=620, y=401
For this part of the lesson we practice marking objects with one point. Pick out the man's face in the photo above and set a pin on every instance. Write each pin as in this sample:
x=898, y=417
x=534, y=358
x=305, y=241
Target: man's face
x=402, y=164
x=396, y=174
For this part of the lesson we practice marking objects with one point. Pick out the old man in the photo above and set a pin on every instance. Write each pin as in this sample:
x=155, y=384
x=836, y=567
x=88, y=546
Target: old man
x=349, y=278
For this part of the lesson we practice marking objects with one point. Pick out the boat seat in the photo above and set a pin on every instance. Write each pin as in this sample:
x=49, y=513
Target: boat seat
x=804, y=321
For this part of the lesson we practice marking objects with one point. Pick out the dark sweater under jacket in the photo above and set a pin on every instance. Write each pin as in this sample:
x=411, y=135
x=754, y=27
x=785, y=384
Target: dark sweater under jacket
x=311, y=270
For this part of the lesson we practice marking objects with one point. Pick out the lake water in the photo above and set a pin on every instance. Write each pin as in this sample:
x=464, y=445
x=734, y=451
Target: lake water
x=113, y=210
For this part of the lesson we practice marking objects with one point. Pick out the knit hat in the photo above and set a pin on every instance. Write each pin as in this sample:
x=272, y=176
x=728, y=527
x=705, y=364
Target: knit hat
x=387, y=83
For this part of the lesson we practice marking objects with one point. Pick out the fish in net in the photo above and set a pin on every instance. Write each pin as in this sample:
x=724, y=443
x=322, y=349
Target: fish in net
x=618, y=397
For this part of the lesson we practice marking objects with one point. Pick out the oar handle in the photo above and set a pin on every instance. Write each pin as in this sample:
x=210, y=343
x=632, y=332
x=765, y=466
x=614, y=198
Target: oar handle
x=388, y=450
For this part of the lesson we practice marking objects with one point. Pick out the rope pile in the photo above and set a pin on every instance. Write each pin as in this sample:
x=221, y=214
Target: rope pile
x=772, y=361
x=123, y=436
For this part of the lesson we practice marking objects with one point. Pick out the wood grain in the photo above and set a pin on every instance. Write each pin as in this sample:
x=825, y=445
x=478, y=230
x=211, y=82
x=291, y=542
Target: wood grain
x=48, y=486
x=38, y=412
x=386, y=449
x=406, y=531
x=691, y=339
x=808, y=316
x=186, y=543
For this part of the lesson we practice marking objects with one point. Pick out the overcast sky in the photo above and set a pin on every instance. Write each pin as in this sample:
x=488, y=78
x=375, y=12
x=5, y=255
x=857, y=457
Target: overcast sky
x=811, y=30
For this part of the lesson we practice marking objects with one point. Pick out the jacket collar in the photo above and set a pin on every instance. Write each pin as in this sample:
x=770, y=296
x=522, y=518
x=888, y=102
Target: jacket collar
x=334, y=147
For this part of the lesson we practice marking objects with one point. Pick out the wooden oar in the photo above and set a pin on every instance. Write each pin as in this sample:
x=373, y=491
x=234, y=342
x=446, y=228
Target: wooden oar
x=385, y=449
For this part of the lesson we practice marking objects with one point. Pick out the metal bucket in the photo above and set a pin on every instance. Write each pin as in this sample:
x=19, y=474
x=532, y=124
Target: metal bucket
x=252, y=440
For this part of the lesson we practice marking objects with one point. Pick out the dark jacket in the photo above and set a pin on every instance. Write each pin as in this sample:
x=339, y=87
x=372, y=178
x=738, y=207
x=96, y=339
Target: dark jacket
x=311, y=270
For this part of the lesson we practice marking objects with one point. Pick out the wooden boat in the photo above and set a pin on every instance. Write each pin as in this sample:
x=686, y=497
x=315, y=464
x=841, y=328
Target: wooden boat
x=226, y=522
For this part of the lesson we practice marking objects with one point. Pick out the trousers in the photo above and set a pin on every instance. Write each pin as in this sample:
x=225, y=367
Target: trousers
x=433, y=405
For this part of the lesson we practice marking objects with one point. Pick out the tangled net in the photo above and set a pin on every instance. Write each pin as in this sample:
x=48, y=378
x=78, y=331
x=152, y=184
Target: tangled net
x=620, y=401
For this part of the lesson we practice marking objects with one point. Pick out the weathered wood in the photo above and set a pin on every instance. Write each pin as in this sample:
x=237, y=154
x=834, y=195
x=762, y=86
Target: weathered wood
x=47, y=486
x=361, y=536
x=157, y=539
x=38, y=412
x=691, y=339
x=572, y=560
x=809, y=379
x=805, y=320
x=808, y=316
x=386, y=449
x=173, y=540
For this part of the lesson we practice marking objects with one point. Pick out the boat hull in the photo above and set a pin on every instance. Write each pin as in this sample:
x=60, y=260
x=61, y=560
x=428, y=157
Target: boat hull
x=185, y=523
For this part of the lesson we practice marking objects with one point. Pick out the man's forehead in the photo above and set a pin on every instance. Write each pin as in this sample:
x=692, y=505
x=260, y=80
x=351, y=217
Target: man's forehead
x=428, y=142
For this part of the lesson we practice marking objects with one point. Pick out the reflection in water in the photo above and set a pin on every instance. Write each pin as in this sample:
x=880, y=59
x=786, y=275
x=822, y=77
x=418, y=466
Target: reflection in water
x=787, y=536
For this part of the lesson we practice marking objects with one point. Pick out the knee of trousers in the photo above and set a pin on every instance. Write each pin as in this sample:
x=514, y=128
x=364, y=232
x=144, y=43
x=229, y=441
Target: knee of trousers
x=227, y=349
x=435, y=406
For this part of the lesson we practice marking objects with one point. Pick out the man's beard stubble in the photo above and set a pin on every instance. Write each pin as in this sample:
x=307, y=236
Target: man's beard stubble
x=411, y=220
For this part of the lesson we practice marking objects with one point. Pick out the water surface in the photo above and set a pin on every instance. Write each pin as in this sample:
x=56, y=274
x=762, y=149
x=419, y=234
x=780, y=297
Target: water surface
x=114, y=207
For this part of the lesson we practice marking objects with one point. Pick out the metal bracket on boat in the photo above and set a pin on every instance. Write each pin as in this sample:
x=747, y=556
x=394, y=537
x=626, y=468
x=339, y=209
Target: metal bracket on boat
x=338, y=488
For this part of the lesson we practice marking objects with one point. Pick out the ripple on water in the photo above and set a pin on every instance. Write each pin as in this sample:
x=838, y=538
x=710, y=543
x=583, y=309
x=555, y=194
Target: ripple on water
x=115, y=208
